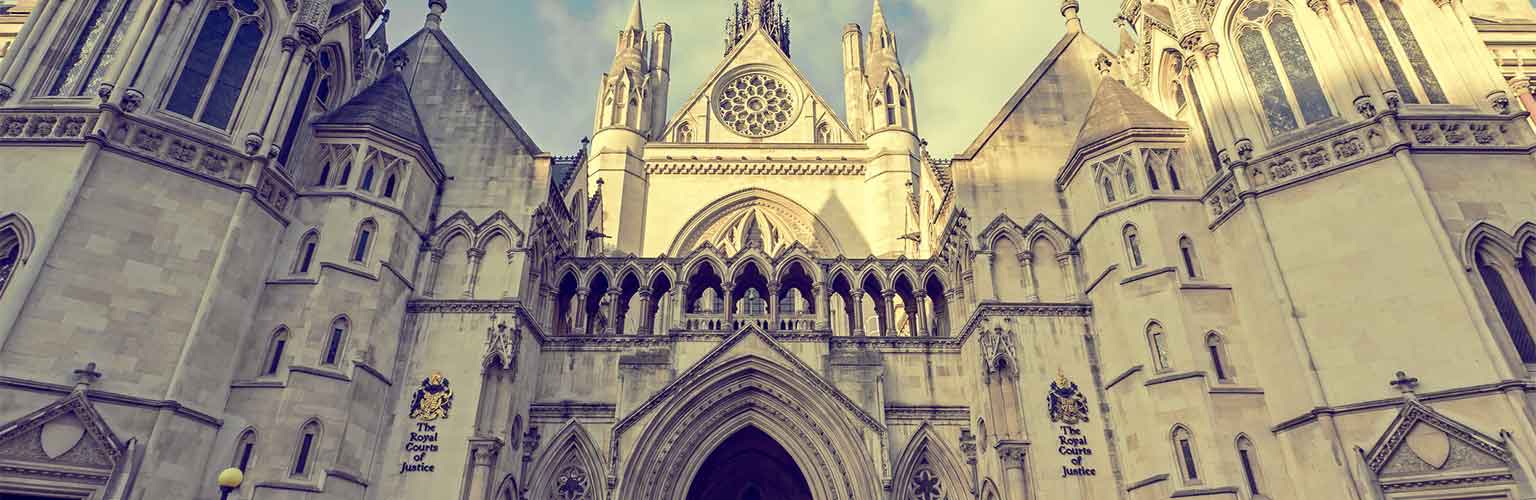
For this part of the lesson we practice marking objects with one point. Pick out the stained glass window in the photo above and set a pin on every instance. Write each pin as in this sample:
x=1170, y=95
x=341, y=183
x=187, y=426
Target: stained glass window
x=1266, y=80
x=94, y=49
x=1414, y=52
x=218, y=64
x=1298, y=66
x=1388, y=56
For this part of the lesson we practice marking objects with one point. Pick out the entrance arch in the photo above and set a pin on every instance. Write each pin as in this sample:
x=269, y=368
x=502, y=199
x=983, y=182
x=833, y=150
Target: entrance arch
x=832, y=442
x=749, y=465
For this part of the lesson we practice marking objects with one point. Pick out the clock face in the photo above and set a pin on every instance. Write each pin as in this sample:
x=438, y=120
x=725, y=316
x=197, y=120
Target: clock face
x=756, y=105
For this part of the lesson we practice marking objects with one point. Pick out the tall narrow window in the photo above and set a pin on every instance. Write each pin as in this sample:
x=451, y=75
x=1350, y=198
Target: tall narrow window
x=94, y=50
x=306, y=257
x=1109, y=189
x=824, y=134
x=1509, y=313
x=334, y=342
x=1152, y=177
x=346, y=175
x=890, y=106
x=325, y=174
x=275, y=352
x=1187, y=252
x=1130, y=180
x=367, y=183
x=1245, y=457
x=314, y=97
x=245, y=450
x=389, y=185
x=1133, y=245
x=308, y=439
x=685, y=133
x=1267, y=34
x=1216, y=350
x=1157, y=339
x=1398, y=44
x=1173, y=172
x=364, y=238
x=218, y=63
x=1184, y=447
x=10, y=256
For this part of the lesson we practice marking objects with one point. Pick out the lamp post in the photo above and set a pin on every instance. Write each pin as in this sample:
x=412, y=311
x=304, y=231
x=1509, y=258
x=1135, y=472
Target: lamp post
x=229, y=480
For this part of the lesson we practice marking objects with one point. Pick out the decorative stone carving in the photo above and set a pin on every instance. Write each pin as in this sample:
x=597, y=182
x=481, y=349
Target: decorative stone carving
x=1365, y=107
x=501, y=344
x=1499, y=100
x=756, y=104
x=17, y=126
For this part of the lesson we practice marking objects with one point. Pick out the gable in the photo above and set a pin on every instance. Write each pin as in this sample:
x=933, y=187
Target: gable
x=757, y=54
x=1424, y=449
x=65, y=436
x=1048, y=107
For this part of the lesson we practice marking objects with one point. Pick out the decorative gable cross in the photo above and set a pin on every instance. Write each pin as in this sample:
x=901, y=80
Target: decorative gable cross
x=85, y=376
x=1405, y=383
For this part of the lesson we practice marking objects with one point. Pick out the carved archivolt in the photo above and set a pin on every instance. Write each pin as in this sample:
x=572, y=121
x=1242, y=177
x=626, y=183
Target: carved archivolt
x=755, y=218
x=569, y=468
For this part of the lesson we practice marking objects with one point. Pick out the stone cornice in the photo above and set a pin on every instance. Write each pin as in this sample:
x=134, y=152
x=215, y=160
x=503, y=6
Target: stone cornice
x=927, y=413
x=100, y=396
x=1378, y=404
x=746, y=167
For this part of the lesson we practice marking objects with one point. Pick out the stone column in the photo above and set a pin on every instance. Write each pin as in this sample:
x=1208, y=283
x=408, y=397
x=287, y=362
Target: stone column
x=1338, y=58
x=773, y=307
x=482, y=457
x=1068, y=275
x=579, y=316
x=646, y=318
x=856, y=319
x=614, y=325
x=889, y=306
x=921, y=314
x=1015, y=458
x=727, y=292
x=680, y=305
x=112, y=84
x=1031, y=288
x=1354, y=47
x=823, y=317
x=548, y=305
x=475, y=256
x=23, y=45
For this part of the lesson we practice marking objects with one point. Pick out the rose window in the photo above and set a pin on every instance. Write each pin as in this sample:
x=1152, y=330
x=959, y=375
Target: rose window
x=756, y=105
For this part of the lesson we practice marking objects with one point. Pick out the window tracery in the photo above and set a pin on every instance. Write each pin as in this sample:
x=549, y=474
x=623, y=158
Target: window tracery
x=756, y=105
x=93, y=51
x=219, y=63
x=1289, y=93
x=314, y=99
x=10, y=256
x=571, y=484
x=1415, y=81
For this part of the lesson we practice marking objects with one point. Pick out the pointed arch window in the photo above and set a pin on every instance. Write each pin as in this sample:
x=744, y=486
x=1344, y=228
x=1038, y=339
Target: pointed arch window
x=1130, y=180
x=346, y=175
x=1173, y=172
x=1415, y=81
x=275, y=350
x=219, y=63
x=389, y=185
x=1218, y=353
x=1152, y=177
x=1157, y=341
x=314, y=99
x=1184, y=451
x=308, y=245
x=335, y=341
x=365, y=233
x=94, y=49
x=10, y=255
x=325, y=174
x=309, y=440
x=245, y=450
x=685, y=133
x=1109, y=189
x=367, y=182
x=1251, y=474
x=1289, y=92
x=1488, y=266
x=890, y=105
x=1187, y=253
x=1133, y=245
x=824, y=133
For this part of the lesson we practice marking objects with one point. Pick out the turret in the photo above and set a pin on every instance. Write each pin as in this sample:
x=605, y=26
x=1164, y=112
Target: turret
x=631, y=107
x=890, y=91
x=892, y=133
x=854, y=89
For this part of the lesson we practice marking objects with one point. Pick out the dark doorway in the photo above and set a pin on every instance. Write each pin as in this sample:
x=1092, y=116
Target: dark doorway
x=749, y=465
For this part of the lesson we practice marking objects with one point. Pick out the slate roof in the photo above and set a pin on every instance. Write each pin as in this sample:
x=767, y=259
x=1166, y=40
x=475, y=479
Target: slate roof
x=387, y=106
x=1116, y=109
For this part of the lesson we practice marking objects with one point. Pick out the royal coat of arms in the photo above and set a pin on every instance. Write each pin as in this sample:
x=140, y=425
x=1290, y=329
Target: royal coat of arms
x=1067, y=405
x=433, y=399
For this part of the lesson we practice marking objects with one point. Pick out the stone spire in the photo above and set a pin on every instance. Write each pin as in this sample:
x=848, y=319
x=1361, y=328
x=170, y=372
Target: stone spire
x=882, y=45
x=635, y=23
x=877, y=20
x=629, y=52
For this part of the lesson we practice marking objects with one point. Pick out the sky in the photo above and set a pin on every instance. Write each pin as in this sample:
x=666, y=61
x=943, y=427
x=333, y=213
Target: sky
x=543, y=58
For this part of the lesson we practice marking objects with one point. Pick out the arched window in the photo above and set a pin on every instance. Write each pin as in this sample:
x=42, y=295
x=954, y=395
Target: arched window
x=335, y=341
x=890, y=105
x=1132, y=245
x=365, y=233
x=685, y=133
x=325, y=174
x=1173, y=172
x=306, y=256
x=1398, y=44
x=389, y=185
x=1157, y=341
x=314, y=98
x=10, y=255
x=1152, y=177
x=1109, y=189
x=1130, y=179
x=1265, y=34
x=93, y=50
x=1184, y=453
x=218, y=63
x=1504, y=302
x=824, y=133
x=1249, y=462
x=245, y=450
x=274, y=359
x=367, y=183
x=309, y=439
x=346, y=175
x=1187, y=252
x=1218, y=353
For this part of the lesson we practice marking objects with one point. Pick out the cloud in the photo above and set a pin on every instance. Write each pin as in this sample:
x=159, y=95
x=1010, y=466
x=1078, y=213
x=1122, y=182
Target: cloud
x=543, y=58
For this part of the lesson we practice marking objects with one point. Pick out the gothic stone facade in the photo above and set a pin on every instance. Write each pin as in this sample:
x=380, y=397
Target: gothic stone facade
x=1265, y=249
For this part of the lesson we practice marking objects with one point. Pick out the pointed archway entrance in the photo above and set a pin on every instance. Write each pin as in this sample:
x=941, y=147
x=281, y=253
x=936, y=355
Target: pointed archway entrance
x=749, y=465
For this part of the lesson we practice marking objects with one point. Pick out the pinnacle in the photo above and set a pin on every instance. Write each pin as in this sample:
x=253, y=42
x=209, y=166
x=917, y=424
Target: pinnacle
x=635, y=22
x=877, y=24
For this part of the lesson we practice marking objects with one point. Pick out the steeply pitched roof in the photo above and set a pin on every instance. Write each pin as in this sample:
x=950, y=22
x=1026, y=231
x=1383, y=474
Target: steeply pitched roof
x=1025, y=89
x=474, y=77
x=385, y=105
x=1116, y=109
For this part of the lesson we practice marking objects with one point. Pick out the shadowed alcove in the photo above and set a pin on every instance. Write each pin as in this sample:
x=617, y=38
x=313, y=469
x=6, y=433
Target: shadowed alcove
x=749, y=465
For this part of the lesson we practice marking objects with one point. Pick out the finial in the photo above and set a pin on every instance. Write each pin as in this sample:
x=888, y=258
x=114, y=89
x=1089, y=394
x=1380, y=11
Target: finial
x=1069, y=11
x=1405, y=384
x=877, y=20
x=435, y=10
x=86, y=376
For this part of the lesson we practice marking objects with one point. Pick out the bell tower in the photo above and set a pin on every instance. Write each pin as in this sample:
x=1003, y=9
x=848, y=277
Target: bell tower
x=631, y=109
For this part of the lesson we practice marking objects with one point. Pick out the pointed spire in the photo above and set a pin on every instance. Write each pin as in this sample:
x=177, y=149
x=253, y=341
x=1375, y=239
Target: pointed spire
x=877, y=23
x=635, y=22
